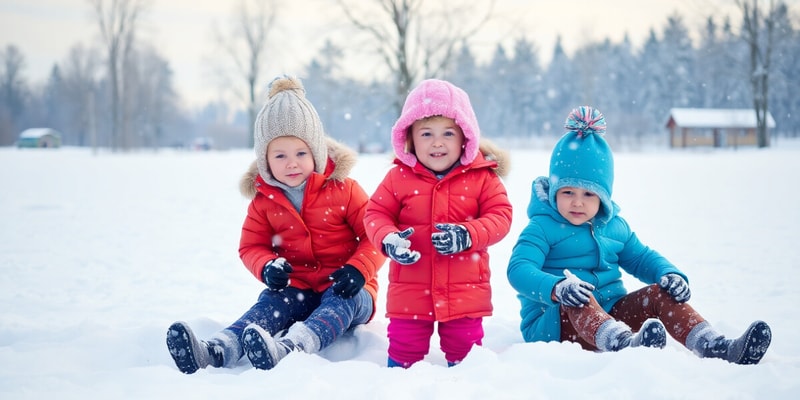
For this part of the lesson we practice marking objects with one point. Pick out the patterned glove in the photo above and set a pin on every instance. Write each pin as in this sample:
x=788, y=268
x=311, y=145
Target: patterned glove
x=572, y=291
x=676, y=286
x=347, y=281
x=276, y=274
x=451, y=240
x=398, y=248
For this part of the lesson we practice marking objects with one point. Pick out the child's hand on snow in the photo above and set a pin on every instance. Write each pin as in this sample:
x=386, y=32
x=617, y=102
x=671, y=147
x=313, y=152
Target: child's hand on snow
x=676, y=286
x=276, y=274
x=398, y=248
x=572, y=291
x=451, y=240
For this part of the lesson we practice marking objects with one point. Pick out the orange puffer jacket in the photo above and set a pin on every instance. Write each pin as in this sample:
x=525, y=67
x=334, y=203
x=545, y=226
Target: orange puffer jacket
x=329, y=234
x=442, y=287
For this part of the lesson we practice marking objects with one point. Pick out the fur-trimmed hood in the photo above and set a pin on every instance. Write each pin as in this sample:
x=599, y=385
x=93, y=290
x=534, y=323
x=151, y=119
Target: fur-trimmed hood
x=341, y=160
x=493, y=152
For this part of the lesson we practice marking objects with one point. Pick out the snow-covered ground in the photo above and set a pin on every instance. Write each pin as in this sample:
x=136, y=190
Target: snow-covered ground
x=99, y=254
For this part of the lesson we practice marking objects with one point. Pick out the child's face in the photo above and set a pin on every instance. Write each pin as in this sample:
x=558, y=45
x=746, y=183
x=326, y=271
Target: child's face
x=290, y=160
x=577, y=205
x=437, y=142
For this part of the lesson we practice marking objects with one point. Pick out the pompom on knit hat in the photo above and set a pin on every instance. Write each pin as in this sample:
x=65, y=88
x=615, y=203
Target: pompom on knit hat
x=583, y=159
x=430, y=98
x=287, y=112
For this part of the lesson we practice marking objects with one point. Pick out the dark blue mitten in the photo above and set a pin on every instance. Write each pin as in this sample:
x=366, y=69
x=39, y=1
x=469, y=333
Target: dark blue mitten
x=347, y=281
x=276, y=274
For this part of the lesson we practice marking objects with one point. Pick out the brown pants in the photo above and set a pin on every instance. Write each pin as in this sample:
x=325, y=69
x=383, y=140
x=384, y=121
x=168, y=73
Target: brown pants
x=580, y=324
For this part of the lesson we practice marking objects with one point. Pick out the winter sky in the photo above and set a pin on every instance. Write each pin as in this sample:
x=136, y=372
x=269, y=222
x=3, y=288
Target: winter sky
x=45, y=30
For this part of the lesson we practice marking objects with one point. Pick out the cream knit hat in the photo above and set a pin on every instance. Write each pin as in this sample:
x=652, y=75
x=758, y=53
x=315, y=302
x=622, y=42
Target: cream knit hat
x=287, y=112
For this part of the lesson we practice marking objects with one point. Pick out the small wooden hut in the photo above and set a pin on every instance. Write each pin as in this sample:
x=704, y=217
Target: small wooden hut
x=715, y=127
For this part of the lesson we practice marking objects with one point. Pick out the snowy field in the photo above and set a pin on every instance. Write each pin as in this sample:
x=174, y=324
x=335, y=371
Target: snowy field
x=100, y=253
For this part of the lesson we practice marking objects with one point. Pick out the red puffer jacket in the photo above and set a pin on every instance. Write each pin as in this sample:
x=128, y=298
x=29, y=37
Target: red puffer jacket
x=329, y=234
x=442, y=287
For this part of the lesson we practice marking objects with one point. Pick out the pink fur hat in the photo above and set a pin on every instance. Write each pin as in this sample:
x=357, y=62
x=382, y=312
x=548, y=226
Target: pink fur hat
x=437, y=97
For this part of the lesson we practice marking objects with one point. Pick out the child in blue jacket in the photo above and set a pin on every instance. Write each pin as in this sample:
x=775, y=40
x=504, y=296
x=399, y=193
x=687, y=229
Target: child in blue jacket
x=567, y=264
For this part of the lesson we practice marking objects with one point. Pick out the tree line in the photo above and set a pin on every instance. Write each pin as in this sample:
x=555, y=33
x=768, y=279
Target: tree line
x=120, y=94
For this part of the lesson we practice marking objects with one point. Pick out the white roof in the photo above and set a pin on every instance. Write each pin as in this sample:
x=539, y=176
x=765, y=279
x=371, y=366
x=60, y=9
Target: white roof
x=34, y=133
x=717, y=117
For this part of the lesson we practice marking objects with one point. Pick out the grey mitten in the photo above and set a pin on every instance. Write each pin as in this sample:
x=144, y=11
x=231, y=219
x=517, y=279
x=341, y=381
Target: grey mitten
x=572, y=291
x=676, y=286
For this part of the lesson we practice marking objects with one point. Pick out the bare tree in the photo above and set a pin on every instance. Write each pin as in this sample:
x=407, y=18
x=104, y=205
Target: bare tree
x=760, y=40
x=152, y=98
x=118, y=22
x=415, y=40
x=12, y=92
x=245, y=46
x=79, y=72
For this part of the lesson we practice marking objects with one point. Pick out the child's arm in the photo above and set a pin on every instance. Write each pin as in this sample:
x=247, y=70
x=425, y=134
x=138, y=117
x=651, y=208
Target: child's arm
x=525, y=266
x=383, y=209
x=367, y=258
x=637, y=259
x=255, y=243
x=494, y=219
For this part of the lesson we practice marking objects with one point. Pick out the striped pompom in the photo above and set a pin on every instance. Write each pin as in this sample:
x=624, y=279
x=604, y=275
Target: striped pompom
x=585, y=121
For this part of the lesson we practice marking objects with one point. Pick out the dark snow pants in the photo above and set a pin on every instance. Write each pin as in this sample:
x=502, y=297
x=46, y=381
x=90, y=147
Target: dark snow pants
x=580, y=324
x=326, y=314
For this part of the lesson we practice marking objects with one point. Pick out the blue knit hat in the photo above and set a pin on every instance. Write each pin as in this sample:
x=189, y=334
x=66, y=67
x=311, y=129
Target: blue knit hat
x=582, y=158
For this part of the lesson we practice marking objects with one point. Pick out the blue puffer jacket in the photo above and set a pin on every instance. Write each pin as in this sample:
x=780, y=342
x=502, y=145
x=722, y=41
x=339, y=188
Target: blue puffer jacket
x=594, y=252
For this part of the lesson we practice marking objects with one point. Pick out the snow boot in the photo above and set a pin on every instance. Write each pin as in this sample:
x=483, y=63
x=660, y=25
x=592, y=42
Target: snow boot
x=747, y=349
x=262, y=349
x=613, y=336
x=265, y=351
x=652, y=334
x=189, y=353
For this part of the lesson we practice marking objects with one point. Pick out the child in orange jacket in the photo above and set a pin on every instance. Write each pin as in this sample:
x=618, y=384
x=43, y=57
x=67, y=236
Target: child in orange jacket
x=303, y=237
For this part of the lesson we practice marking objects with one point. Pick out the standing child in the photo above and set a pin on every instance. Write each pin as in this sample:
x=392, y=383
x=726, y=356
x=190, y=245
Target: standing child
x=435, y=214
x=566, y=264
x=303, y=237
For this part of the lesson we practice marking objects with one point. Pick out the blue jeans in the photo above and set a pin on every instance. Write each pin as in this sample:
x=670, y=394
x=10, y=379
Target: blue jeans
x=326, y=314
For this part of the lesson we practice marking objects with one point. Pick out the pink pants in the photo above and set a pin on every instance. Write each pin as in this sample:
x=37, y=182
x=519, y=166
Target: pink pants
x=409, y=339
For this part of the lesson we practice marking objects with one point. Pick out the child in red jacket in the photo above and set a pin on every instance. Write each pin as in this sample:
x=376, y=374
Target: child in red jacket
x=303, y=237
x=435, y=214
